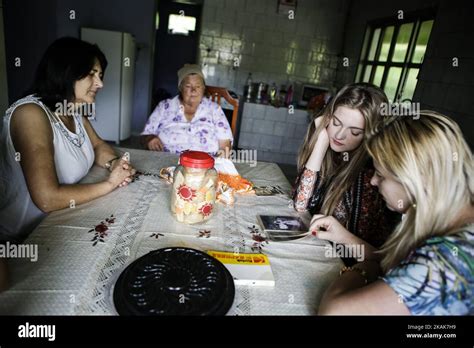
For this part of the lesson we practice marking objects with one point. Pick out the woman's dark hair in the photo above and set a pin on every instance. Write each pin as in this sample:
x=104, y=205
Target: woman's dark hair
x=65, y=61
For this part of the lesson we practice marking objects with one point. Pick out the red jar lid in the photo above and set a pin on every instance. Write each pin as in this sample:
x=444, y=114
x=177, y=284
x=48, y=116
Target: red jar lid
x=196, y=159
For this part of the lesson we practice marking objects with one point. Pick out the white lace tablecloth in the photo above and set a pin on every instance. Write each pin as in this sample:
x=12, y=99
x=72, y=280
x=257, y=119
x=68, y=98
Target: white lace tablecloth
x=74, y=277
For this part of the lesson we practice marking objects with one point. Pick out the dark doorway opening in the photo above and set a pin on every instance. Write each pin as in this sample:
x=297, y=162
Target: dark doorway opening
x=172, y=49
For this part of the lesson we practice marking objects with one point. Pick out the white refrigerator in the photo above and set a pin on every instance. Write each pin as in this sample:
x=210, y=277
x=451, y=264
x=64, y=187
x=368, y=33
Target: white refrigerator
x=113, y=111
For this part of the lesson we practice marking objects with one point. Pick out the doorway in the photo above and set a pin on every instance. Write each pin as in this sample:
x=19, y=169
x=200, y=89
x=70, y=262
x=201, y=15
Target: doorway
x=176, y=43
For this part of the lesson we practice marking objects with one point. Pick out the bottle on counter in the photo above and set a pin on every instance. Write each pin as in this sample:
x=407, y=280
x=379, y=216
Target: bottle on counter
x=273, y=93
x=194, y=187
x=261, y=92
x=249, y=86
x=282, y=95
x=289, y=96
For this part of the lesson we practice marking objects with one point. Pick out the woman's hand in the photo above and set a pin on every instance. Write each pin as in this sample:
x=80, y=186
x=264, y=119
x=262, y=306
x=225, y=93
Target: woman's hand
x=317, y=121
x=121, y=174
x=224, y=148
x=155, y=144
x=315, y=160
x=328, y=228
x=126, y=166
x=323, y=139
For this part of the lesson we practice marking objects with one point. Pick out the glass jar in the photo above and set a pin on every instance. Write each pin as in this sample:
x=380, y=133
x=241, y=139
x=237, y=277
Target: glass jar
x=194, y=187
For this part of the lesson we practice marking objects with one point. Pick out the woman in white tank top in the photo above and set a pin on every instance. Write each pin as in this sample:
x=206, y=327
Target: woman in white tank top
x=46, y=149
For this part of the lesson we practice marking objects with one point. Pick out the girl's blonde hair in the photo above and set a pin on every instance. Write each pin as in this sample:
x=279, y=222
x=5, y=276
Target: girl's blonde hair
x=433, y=162
x=341, y=175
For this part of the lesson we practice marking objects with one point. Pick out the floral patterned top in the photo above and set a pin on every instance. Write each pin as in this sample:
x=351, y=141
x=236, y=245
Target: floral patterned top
x=361, y=210
x=202, y=133
x=438, y=277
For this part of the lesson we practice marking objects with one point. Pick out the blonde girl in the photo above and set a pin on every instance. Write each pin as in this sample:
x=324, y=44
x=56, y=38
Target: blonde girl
x=424, y=170
x=335, y=168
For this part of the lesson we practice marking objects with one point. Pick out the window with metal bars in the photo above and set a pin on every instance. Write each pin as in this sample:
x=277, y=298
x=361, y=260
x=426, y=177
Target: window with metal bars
x=392, y=54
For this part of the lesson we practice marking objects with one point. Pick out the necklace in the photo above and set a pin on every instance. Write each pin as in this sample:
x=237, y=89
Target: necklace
x=79, y=137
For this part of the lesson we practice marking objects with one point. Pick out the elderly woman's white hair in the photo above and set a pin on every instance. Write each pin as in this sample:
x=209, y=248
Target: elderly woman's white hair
x=190, y=69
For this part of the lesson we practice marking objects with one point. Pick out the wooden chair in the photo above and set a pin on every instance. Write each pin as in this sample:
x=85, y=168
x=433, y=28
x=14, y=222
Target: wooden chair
x=216, y=94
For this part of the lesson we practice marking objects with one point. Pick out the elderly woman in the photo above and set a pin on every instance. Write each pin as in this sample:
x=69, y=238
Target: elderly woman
x=189, y=121
x=47, y=149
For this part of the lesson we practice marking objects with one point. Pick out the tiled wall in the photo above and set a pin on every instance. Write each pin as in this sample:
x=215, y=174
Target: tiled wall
x=272, y=46
x=310, y=49
x=275, y=133
x=441, y=86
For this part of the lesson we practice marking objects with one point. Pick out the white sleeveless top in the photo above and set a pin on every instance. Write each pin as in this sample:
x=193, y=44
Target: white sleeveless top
x=73, y=158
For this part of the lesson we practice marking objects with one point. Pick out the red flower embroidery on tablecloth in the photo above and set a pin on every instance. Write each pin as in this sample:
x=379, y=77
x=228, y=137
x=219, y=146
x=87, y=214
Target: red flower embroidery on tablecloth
x=204, y=234
x=206, y=209
x=260, y=240
x=100, y=230
x=186, y=193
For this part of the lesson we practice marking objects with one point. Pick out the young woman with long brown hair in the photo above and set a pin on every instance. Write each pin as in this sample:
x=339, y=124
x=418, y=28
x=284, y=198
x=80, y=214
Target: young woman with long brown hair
x=335, y=168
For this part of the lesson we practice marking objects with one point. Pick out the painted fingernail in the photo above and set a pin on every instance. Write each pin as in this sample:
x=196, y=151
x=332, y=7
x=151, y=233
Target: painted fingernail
x=313, y=233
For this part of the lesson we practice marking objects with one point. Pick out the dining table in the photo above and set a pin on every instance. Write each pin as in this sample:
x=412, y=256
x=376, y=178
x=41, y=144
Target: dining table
x=83, y=249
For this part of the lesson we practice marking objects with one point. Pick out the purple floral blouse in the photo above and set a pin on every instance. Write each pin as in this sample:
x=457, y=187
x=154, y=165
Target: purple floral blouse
x=208, y=126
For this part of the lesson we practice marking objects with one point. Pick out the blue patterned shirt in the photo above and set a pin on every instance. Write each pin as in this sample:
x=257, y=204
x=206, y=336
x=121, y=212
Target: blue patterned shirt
x=437, y=278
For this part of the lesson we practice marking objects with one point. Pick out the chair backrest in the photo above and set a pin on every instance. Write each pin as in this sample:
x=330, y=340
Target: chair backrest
x=216, y=94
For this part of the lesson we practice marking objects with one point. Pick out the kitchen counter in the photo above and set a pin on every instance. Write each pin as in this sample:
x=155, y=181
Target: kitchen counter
x=276, y=133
